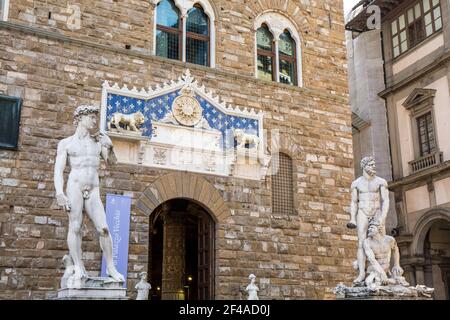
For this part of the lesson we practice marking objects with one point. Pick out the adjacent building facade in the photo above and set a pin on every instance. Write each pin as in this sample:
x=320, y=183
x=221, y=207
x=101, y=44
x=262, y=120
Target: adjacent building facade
x=415, y=38
x=241, y=160
x=369, y=119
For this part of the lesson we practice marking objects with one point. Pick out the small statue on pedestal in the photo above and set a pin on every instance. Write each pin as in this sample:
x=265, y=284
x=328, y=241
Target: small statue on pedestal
x=252, y=288
x=143, y=287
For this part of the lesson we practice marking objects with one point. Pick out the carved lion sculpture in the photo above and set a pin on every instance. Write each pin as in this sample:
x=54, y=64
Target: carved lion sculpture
x=244, y=139
x=131, y=122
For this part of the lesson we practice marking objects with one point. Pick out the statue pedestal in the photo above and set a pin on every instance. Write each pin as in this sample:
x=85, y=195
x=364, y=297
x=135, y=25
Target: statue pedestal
x=91, y=289
x=389, y=292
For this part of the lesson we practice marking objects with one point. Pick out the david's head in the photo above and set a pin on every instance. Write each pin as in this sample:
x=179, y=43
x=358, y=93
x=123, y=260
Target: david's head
x=86, y=116
x=368, y=166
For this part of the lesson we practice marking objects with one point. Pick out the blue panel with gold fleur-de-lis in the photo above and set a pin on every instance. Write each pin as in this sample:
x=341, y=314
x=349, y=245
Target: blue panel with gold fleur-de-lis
x=156, y=109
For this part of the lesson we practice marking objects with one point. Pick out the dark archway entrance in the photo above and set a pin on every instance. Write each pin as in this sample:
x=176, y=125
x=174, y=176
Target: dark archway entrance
x=437, y=259
x=181, y=251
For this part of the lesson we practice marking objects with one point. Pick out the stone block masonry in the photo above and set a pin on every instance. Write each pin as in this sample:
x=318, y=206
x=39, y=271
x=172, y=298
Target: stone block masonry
x=299, y=255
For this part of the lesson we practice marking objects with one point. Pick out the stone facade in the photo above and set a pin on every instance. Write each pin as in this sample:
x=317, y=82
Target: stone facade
x=54, y=69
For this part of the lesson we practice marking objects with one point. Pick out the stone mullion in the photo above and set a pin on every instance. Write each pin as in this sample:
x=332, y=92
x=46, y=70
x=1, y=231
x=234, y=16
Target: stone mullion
x=184, y=21
x=277, y=61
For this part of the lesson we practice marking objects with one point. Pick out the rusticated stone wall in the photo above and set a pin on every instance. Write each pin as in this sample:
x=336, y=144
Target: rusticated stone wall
x=119, y=23
x=295, y=256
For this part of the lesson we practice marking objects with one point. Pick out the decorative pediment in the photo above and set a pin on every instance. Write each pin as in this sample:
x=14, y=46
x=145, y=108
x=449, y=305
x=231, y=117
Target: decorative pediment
x=418, y=97
x=183, y=100
x=183, y=125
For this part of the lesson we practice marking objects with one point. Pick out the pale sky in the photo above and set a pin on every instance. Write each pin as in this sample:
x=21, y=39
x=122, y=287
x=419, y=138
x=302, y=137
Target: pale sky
x=348, y=4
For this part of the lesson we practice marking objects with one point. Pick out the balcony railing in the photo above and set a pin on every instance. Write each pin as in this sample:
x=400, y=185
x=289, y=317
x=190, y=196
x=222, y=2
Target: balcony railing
x=426, y=162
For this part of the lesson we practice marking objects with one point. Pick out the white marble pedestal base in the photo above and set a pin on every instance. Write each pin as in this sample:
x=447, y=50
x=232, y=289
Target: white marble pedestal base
x=389, y=292
x=91, y=289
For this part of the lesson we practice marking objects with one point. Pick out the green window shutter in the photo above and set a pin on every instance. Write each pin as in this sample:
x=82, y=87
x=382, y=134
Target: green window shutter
x=9, y=122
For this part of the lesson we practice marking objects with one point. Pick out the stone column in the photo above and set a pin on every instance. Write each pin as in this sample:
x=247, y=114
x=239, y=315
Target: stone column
x=409, y=274
x=420, y=275
x=173, y=257
x=438, y=283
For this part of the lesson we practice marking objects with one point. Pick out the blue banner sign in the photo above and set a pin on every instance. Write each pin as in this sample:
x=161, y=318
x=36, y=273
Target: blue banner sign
x=118, y=210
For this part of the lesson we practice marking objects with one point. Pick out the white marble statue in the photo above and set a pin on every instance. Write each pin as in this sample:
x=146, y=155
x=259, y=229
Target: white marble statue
x=130, y=122
x=382, y=251
x=382, y=278
x=84, y=150
x=244, y=139
x=68, y=265
x=143, y=287
x=252, y=288
x=370, y=203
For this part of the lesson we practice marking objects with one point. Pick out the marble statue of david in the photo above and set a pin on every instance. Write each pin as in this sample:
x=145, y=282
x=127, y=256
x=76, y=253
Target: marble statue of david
x=84, y=150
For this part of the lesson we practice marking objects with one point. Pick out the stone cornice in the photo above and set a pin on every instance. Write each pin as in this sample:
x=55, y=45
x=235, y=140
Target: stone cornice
x=439, y=62
x=422, y=175
x=404, y=238
x=39, y=32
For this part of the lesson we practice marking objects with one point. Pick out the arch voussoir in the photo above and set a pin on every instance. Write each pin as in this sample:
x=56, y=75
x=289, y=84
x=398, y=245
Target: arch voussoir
x=183, y=185
x=144, y=207
x=423, y=226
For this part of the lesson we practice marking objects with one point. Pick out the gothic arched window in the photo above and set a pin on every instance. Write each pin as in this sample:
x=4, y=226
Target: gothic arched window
x=266, y=53
x=185, y=31
x=197, y=36
x=278, y=49
x=282, y=185
x=287, y=58
x=169, y=30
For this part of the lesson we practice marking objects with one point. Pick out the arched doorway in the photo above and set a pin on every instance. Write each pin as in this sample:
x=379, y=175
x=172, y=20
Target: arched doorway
x=181, y=251
x=172, y=188
x=437, y=258
x=431, y=245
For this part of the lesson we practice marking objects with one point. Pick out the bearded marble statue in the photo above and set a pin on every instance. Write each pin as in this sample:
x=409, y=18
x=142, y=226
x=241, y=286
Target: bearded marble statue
x=377, y=252
x=370, y=203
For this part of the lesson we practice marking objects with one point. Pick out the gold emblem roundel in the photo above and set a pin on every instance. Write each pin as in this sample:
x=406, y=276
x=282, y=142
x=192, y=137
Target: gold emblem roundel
x=187, y=110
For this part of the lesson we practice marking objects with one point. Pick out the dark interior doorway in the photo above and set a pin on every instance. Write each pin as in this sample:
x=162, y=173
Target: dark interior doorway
x=197, y=271
x=436, y=266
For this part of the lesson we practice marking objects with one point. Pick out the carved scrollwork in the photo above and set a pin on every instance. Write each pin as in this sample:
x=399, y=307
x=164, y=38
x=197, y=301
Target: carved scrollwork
x=210, y=162
x=160, y=156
